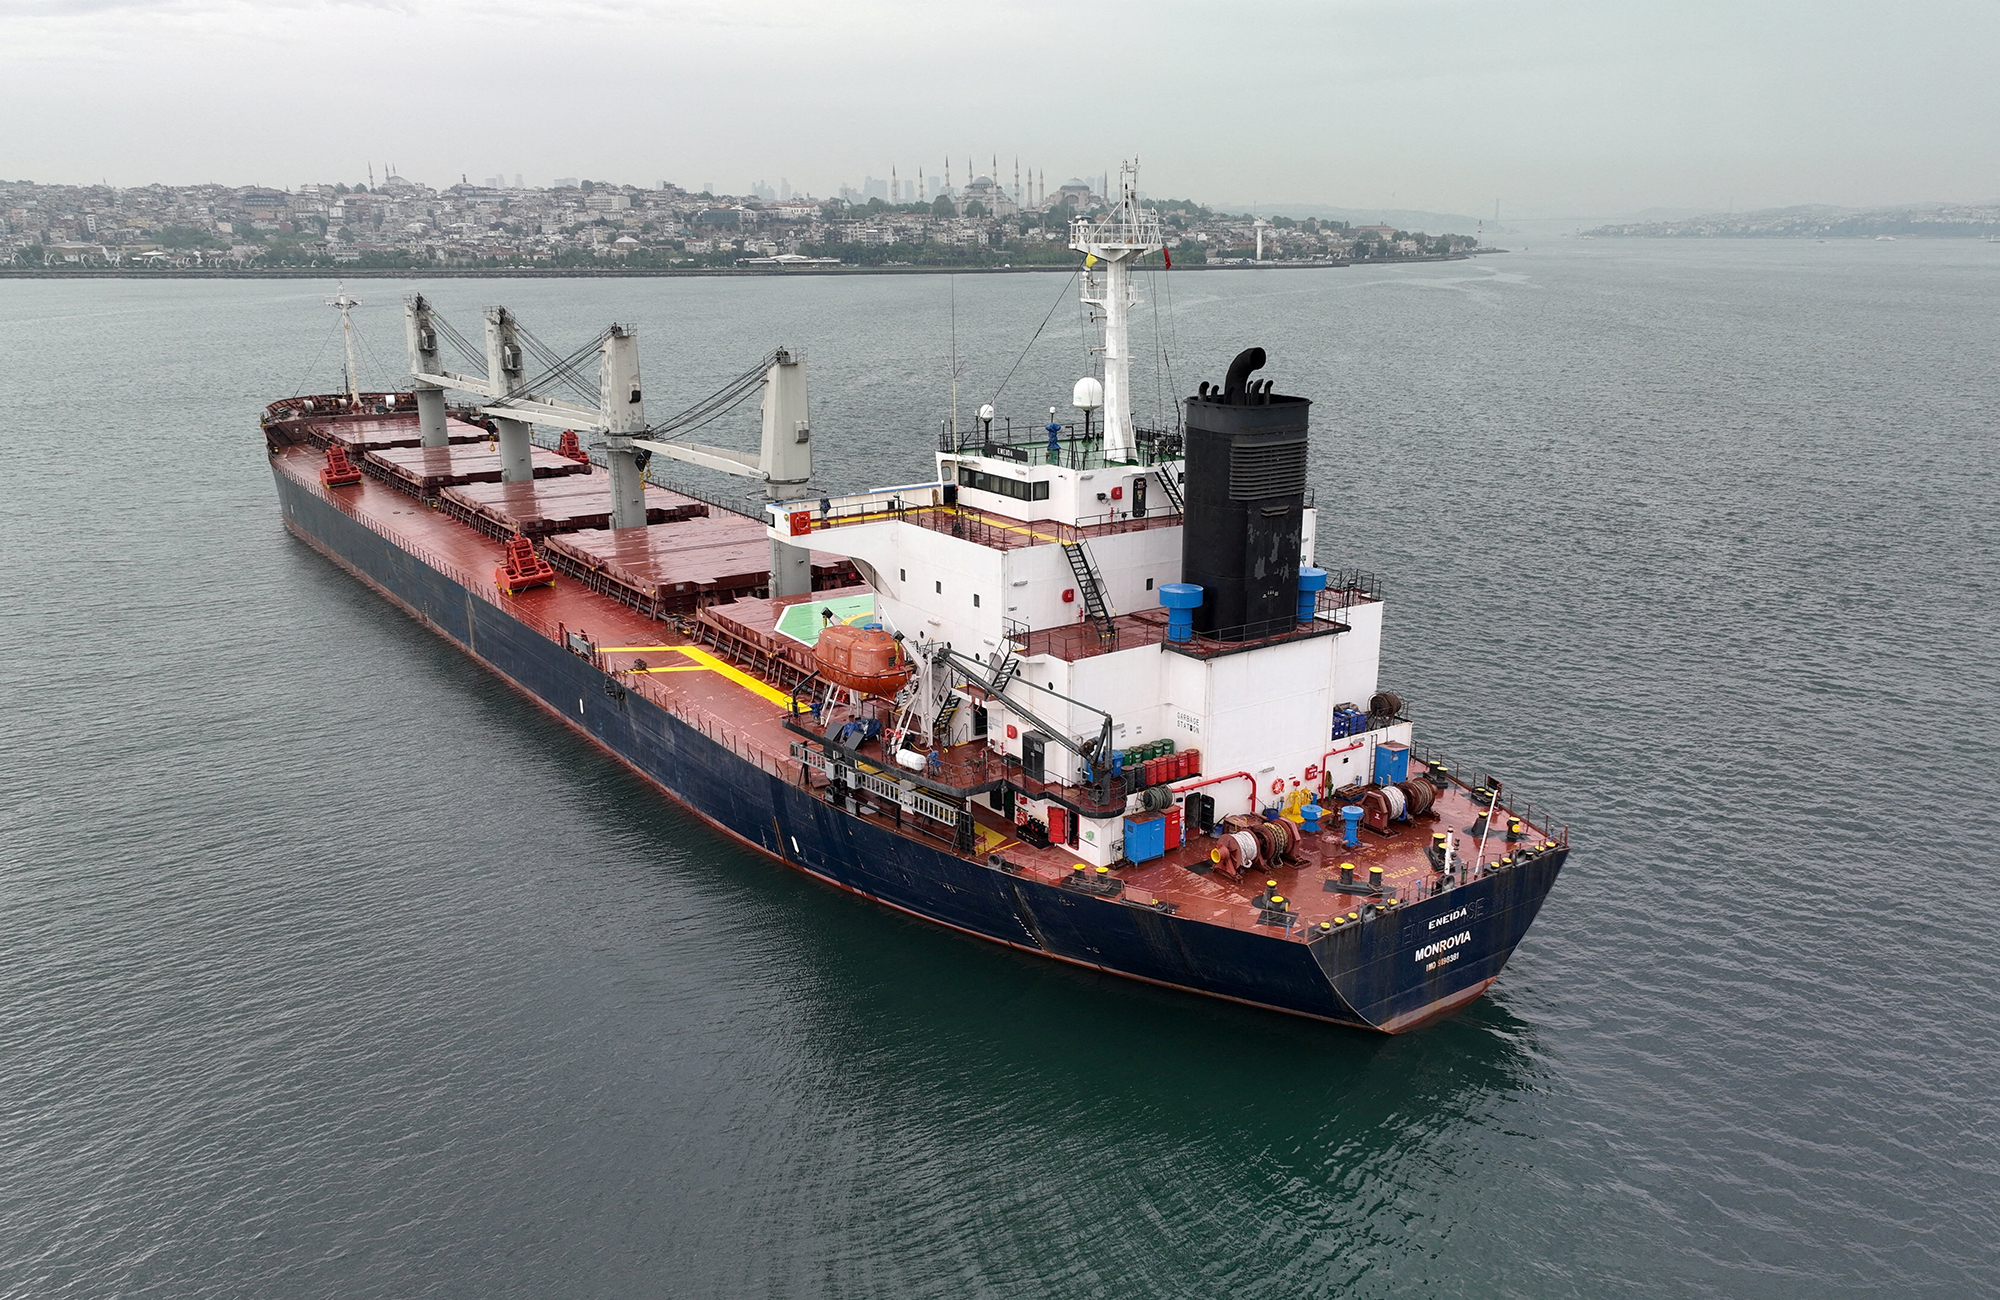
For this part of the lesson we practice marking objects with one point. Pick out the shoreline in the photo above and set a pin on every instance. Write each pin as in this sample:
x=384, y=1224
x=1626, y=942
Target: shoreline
x=637, y=273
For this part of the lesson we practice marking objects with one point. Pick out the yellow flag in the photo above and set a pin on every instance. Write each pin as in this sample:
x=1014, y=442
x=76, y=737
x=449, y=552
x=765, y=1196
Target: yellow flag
x=1090, y=259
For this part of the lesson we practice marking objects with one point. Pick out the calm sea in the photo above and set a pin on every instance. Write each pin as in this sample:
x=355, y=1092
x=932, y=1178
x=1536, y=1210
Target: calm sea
x=329, y=967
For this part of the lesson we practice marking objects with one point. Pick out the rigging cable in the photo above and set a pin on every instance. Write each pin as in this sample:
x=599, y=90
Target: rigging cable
x=1060, y=294
x=567, y=372
x=717, y=404
x=563, y=366
x=477, y=360
x=315, y=361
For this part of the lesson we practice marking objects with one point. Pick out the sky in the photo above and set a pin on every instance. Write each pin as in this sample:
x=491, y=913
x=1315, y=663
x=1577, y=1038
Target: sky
x=1550, y=108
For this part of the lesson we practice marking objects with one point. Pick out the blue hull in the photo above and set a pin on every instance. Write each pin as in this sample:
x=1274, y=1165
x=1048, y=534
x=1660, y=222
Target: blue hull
x=1416, y=963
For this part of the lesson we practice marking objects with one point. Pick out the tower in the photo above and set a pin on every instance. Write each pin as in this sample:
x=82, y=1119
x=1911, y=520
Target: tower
x=1124, y=236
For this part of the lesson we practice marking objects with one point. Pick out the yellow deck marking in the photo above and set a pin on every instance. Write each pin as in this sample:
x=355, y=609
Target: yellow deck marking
x=991, y=841
x=991, y=520
x=704, y=662
x=735, y=674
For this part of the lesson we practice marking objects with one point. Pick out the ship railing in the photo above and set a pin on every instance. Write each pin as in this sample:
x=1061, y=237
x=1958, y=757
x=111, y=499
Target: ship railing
x=856, y=507
x=732, y=738
x=1470, y=777
x=1074, y=640
x=1286, y=919
x=1075, y=450
x=938, y=818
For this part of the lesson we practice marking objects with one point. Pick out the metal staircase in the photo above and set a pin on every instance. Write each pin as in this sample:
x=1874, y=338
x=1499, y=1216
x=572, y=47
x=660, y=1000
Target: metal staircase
x=1087, y=583
x=1170, y=484
x=941, y=729
x=1003, y=675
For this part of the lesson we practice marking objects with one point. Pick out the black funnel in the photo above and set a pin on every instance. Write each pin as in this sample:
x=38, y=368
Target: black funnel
x=1246, y=495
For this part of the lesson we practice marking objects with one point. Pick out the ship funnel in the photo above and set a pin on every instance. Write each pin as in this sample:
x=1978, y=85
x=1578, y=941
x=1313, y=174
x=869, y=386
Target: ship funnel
x=1244, y=525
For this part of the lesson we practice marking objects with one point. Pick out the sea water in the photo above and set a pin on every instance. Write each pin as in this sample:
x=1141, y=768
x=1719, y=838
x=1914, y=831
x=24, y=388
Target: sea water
x=331, y=967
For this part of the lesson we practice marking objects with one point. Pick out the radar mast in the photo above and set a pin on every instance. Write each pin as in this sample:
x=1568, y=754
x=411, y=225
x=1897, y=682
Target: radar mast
x=1112, y=245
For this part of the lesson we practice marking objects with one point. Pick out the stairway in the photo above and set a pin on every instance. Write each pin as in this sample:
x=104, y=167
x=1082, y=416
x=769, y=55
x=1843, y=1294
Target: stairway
x=1170, y=485
x=941, y=729
x=1004, y=674
x=1093, y=592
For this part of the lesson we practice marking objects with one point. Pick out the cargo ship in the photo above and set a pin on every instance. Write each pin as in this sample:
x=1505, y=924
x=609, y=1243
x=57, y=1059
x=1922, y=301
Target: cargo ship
x=1083, y=692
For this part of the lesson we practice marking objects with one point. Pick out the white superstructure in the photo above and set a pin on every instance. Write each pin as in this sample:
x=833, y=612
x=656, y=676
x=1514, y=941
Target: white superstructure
x=1040, y=563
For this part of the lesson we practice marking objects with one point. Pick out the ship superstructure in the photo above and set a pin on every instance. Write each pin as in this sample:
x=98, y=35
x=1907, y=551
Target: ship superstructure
x=1085, y=693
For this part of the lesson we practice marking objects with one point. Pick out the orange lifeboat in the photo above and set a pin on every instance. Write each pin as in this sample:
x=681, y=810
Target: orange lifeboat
x=868, y=660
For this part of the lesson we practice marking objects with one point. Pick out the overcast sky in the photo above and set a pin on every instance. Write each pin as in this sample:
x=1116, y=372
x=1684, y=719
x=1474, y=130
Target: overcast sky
x=1552, y=107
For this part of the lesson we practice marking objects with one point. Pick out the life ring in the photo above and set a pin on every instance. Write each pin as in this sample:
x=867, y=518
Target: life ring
x=1277, y=785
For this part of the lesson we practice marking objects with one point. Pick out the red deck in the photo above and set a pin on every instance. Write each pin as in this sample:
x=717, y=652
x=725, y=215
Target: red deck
x=716, y=687
x=391, y=431
x=428, y=469
x=719, y=555
x=560, y=505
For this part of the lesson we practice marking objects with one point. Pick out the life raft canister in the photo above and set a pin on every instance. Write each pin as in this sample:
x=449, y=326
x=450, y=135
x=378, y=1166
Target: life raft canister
x=864, y=659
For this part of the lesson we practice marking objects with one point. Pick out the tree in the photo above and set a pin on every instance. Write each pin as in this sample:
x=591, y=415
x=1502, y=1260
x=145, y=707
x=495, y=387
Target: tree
x=975, y=209
x=941, y=206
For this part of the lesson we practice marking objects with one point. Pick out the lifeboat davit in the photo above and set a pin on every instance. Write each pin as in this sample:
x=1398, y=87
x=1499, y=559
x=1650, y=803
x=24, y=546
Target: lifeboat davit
x=864, y=659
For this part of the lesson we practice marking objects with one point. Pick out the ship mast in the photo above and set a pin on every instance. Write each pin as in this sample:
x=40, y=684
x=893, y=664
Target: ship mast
x=1125, y=235
x=346, y=306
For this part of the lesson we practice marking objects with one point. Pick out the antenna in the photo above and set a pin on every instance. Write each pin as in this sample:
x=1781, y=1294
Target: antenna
x=954, y=362
x=346, y=306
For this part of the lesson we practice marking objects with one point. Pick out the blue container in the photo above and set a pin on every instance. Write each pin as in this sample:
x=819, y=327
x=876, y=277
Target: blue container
x=1392, y=764
x=1145, y=837
x=1180, y=600
x=1311, y=583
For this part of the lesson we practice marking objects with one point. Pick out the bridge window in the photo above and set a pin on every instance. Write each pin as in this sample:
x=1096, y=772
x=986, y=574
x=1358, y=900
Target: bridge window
x=1000, y=485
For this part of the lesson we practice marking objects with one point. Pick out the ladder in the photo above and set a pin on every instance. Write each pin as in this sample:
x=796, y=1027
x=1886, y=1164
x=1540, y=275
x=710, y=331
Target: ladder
x=1004, y=673
x=1170, y=486
x=1093, y=592
x=941, y=730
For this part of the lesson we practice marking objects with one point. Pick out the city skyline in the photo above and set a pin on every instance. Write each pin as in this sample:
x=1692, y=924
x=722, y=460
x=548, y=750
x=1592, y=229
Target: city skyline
x=1553, y=108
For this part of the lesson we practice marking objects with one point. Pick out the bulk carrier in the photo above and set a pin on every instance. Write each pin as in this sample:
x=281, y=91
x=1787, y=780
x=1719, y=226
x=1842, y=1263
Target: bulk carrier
x=1084, y=693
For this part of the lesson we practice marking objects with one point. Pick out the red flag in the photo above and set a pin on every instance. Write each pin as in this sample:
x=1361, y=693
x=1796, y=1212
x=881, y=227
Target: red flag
x=1170, y=258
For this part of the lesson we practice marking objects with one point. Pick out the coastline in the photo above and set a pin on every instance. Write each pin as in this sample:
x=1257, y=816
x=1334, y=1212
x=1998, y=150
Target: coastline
x=593, y=273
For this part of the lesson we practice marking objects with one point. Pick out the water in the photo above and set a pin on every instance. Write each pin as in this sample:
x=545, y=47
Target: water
x=332, y=969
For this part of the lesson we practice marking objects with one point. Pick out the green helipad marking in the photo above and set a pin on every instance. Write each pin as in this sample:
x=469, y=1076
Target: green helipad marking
x=802, y=621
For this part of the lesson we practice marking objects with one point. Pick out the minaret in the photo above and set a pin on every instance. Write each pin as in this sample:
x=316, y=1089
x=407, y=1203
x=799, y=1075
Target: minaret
x=895, y=186
x=1125, y=235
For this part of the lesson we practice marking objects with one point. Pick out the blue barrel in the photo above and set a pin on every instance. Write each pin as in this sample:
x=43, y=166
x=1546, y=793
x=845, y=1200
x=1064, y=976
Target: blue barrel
x=1311, y=583
x=1180, y=600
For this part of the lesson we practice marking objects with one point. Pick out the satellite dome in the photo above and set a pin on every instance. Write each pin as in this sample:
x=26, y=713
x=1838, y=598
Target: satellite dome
x=1089, y=395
